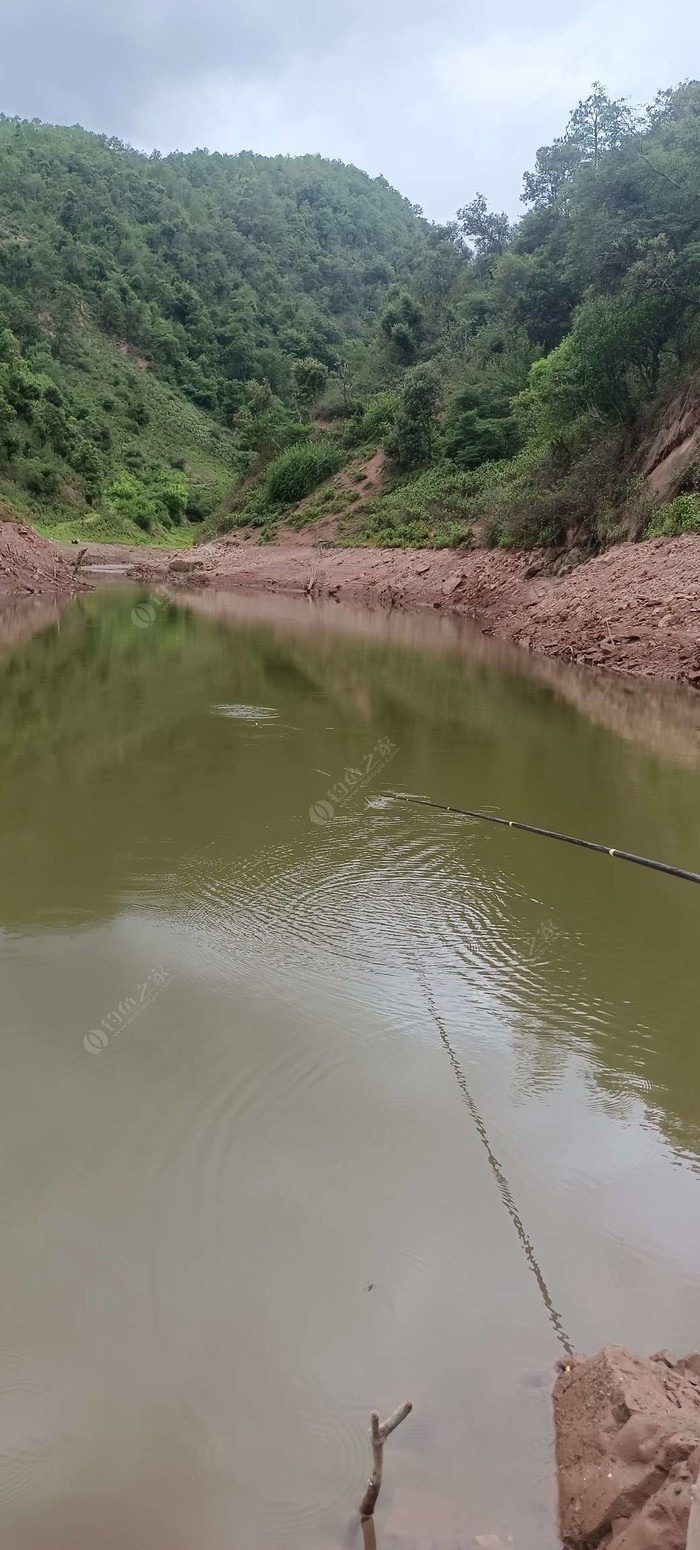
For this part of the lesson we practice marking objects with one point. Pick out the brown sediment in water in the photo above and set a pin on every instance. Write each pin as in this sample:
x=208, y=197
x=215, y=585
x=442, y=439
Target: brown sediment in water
x=633, y=610
x=628, y=1449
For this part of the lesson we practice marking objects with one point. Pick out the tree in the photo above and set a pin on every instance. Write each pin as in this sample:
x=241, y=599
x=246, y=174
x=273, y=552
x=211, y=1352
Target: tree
x=599, y=124
x=346, y=377
x=555, y=166
x=310, y=377
x=402, y=325
x=111, y=311
x=412, y=439
x=490, y=232
x=86, y=459
x=68, y=214
x=534, y=292
x=479, y=427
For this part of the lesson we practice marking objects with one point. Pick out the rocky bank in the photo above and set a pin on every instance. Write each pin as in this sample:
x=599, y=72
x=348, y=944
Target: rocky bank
x=634, y=610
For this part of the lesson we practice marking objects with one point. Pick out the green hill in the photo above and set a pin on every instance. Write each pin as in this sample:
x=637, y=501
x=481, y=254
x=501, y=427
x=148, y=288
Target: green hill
x=229, y=340
x=143, y=298
x=536, y=381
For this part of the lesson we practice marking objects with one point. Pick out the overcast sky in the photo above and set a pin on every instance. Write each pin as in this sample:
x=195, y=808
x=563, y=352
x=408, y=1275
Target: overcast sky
x=443, y=97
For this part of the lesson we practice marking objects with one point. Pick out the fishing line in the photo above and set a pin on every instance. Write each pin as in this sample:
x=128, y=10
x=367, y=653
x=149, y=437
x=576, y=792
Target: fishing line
x=504, y=1188
x=549, y=834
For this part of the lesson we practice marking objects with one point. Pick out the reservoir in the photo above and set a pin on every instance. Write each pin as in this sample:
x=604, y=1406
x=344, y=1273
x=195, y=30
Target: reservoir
x=313, y=1102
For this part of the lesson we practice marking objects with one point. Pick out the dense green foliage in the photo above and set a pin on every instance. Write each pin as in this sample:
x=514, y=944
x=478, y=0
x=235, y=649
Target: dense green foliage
x=681, y=515
x=299, y=470
x=215, y=337
x=412, y=439
x=518, y=366
x=226, y=287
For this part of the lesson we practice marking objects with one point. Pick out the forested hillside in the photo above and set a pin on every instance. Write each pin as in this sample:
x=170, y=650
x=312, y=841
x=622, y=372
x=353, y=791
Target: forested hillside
x=517, y=378
x=234, y=337
x=140, y=297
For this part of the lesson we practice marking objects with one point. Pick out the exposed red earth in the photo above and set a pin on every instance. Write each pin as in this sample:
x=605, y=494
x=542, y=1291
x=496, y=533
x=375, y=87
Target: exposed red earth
x=628, y=1450
x=634, y=609
x=30, y=565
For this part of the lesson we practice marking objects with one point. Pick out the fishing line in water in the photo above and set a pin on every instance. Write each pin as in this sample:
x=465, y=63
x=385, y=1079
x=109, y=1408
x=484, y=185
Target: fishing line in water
x=549, y=834
x=504, y=1188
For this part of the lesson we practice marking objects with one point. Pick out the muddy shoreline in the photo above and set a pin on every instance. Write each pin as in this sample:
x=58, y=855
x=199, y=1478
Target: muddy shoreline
x=31, y=566
x=628, y=1450
x=633, y=610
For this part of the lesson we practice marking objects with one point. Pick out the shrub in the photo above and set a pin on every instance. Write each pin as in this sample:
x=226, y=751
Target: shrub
x=41, y=479
x=299, y=470
x=374, y=420
x=162, y=499
x=127, y=495
x=310, y=377
x=682, y=515
x=200, y=503
x=170, y=491
x=436, y=506
x=552, y=488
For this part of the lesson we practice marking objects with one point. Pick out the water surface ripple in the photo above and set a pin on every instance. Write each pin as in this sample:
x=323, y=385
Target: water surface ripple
x=374, y=1103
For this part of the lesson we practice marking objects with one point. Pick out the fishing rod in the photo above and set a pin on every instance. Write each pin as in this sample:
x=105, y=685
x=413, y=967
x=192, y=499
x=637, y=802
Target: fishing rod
x=549, y=834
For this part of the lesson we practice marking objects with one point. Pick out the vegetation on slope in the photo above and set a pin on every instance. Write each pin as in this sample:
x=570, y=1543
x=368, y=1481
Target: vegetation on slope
x=163, y=321
x=229, y=340
x=520, y=364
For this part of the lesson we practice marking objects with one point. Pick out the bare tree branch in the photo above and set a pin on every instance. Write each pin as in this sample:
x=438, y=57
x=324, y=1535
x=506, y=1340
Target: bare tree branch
x=378, y=1433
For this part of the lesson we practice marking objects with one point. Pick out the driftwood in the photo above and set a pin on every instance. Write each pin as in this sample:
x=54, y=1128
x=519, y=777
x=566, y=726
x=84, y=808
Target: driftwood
x=378, y=1431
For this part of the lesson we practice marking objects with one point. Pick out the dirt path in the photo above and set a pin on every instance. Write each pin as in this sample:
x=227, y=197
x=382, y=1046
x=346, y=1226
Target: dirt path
x=635, y=609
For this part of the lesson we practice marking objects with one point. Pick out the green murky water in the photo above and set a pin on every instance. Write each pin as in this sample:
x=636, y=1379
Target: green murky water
x=306, y=1114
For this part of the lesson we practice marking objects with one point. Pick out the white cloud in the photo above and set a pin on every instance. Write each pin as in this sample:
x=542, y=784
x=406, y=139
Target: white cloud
x=443, y=100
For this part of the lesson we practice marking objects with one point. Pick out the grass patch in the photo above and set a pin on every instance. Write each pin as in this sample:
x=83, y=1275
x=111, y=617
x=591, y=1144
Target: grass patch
x=436, y=508
x=681, y=515
x=300, y=470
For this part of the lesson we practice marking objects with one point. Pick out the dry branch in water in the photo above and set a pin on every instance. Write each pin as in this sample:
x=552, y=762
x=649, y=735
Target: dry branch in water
x=378, y=1431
